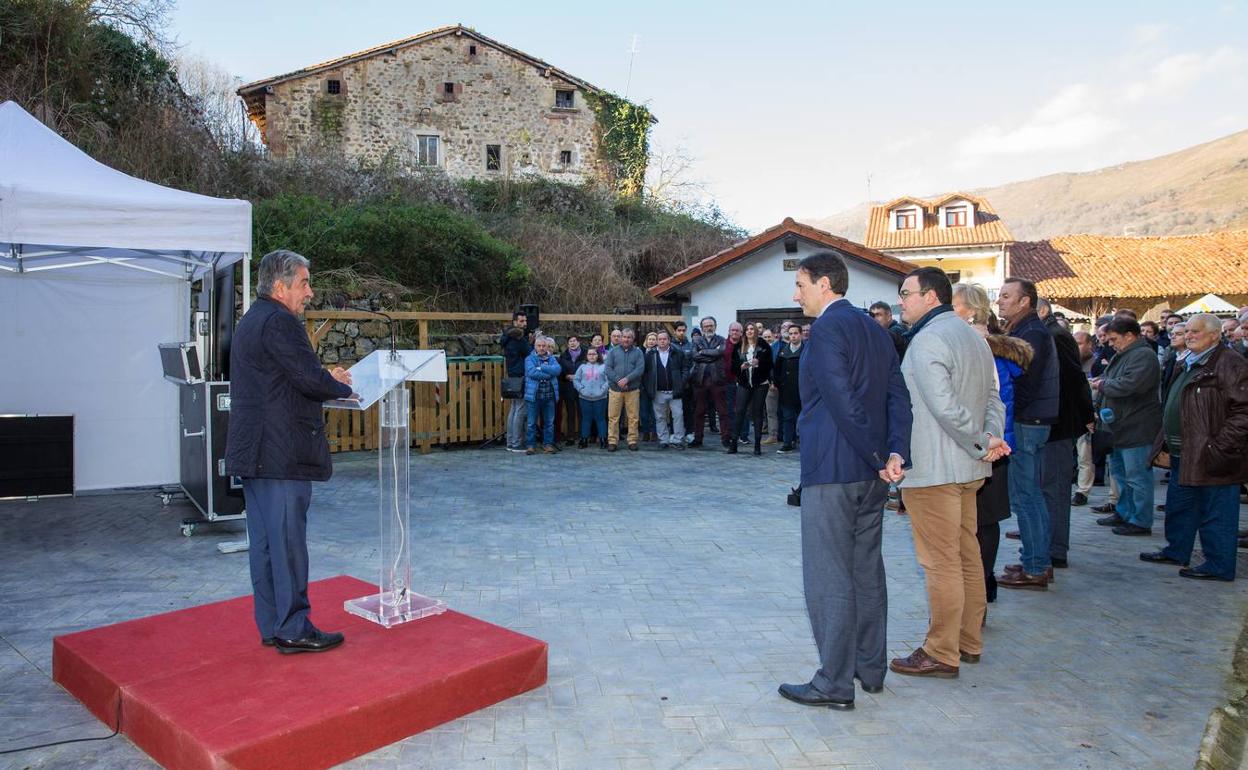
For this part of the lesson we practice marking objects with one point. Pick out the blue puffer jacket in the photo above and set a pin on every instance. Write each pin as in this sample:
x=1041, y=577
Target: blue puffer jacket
x=1012, y=357
x=537, y=369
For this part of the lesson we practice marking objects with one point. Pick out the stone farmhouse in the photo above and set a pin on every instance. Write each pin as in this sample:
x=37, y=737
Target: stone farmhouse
x=957, y=232
x=450, y=98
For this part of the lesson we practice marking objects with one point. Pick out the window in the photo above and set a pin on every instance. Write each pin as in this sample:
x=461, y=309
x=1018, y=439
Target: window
x=334, y=86
x=906, y=220
x=565, y=157
x=448, y=89
x=955, y=276
x=426, y=150
x=472, y=50
x=565, y=100
x=955, y=216
x=493, y=157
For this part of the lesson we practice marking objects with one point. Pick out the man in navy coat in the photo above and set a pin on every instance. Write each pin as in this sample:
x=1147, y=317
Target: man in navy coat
x=855, y=429
x=277, y=444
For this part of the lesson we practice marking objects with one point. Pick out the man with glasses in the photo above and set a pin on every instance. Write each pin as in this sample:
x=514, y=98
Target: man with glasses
x=707, y=377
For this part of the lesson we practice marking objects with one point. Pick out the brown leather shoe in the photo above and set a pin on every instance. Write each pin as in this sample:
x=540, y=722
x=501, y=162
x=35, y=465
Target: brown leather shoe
x=1016, y=568
x=919, y=663
x=1023, y=580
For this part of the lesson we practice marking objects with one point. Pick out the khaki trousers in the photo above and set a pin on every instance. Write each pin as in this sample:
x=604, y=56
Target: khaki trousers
x=630, y=402
x=944, y=523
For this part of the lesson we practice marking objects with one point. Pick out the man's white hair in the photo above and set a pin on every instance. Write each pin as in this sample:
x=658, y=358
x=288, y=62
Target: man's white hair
x=1206, y=321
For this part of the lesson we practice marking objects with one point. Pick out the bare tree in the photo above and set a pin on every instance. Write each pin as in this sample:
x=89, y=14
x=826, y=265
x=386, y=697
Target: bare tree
x=669, y=176
x=212, y=91
x=145, y=20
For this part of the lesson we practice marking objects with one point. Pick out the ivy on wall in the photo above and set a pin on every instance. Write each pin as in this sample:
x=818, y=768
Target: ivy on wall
x=327, y=116
x=623, y=140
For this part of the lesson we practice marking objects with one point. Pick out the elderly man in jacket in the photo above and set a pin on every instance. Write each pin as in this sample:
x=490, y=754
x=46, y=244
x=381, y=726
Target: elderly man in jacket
x=541, y=395
x=706, y=375
x=1035, y=413
x=664, y=381
x=625, y=367
x=1205, y=431
x=277, y=445
x=1128, y=399
x=855, y=427
x=959, y=421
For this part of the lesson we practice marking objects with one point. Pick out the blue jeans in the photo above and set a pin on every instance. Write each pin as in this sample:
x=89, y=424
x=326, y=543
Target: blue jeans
x=1027, y=496
x=1213, y=511
x=788, y=423
x=545, y=407
x=594, y=413
x=1131, y=470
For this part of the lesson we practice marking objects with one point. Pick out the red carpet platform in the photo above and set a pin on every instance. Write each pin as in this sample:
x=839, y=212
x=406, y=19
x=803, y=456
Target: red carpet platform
x=197, y=689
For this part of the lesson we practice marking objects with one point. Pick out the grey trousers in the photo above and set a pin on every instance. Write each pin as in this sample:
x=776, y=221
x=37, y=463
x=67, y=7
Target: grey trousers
x=517, y=415
x=1059, y=474
x=843, y=575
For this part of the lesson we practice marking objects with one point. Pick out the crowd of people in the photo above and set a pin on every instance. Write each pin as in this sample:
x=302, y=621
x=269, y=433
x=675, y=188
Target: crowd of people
x=667, y=389
x=967, y=414
x=978, y=415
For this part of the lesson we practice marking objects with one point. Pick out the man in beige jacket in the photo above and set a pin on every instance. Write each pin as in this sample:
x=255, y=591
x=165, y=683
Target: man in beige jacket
x=956, y=435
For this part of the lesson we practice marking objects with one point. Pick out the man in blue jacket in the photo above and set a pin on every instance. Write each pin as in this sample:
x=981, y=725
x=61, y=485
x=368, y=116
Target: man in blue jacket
x=277, y=444
x=855, y=429
x=1035, y=414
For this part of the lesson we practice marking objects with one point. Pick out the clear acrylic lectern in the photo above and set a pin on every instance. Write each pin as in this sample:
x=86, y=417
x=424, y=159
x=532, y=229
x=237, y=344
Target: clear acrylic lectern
x=381, y=377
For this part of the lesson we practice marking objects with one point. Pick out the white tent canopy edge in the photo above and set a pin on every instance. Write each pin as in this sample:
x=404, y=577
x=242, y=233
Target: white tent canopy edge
x=87, y=346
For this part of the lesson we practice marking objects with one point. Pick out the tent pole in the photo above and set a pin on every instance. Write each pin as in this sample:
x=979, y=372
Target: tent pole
x=246, y=262
x=16, y=251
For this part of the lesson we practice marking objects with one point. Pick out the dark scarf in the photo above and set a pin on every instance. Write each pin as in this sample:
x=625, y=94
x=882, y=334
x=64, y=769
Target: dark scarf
x=914, y=330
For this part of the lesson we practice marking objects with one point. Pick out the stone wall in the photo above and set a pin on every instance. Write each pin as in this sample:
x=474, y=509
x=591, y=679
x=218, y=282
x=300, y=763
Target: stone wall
x=388, y=100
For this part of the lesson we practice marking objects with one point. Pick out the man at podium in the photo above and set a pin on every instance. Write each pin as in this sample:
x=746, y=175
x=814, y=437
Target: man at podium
x=277, y=445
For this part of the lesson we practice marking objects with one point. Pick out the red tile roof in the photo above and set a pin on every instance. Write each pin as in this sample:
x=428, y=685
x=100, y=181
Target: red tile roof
x=768, y=236
x=988, y=229
x=1077, y=266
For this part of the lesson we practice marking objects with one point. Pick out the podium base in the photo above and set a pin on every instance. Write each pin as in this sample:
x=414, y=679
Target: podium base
x=384, y=611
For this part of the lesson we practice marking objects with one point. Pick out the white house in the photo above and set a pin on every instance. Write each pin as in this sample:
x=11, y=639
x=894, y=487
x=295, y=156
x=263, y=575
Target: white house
x=753, y=280
x=958, y=232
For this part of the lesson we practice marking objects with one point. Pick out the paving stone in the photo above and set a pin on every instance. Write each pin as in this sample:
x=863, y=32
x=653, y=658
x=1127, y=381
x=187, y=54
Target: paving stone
x=670, y=593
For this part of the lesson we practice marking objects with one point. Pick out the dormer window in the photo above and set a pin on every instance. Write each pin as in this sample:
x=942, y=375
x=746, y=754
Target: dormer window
x=905, y=220
x=955, y=216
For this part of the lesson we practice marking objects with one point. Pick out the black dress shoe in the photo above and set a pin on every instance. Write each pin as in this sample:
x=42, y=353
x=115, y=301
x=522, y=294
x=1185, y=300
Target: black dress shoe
x=732, y=449
x=1079, y=499
x=1196, y=574
x=1132, y=529
x=1105, y=508
x=317, y=641
x=1158, y=557
x=1058, y=563
x=1112, y=520
x=697, y=442
x=874, y=689
x=807, y=695
x=268, y=641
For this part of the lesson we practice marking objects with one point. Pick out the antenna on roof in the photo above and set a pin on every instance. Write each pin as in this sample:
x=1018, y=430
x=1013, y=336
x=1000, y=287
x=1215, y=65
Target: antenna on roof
x=632, y=54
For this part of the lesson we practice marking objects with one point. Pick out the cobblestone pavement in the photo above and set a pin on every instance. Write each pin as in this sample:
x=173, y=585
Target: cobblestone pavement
x=668, y=585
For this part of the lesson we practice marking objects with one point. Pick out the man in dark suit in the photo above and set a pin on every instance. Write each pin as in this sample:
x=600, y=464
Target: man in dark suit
x=277, y=445
x=855, y=429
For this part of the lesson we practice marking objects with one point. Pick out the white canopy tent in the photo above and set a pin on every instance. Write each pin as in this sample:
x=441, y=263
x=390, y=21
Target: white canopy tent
x=95, y=271
x=1210, y=303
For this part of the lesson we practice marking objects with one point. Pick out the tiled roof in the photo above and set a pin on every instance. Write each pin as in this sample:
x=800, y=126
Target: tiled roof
x=1076, y=266
x=988, y=229
x=770, y=235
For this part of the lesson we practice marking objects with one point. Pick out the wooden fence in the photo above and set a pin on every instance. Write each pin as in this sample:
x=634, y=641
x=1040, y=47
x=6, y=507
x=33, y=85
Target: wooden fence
x=467, y=408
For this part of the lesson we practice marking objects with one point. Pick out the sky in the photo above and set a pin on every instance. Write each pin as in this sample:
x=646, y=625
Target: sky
x=806, y=109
